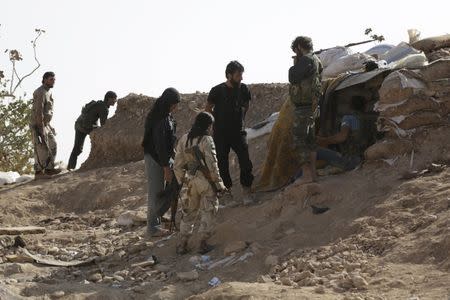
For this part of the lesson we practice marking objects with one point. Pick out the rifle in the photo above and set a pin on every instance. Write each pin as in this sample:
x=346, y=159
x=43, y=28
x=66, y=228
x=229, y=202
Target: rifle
x=41, y=140
x=202, y=166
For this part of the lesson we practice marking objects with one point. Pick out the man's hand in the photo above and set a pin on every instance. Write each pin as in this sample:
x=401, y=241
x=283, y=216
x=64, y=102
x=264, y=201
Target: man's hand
x=168, y=174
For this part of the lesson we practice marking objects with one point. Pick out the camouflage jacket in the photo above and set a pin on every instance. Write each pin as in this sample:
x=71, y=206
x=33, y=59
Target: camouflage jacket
x=42, y=111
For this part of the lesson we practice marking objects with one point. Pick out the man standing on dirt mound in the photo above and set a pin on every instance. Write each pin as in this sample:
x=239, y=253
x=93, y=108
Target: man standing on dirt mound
x=43, y=134
x=229, y=103
x=304, y=92
x=87, y=121
x=196, y=168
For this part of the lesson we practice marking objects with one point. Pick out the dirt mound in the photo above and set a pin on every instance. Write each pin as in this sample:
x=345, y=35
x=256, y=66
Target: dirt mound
x=119, y=141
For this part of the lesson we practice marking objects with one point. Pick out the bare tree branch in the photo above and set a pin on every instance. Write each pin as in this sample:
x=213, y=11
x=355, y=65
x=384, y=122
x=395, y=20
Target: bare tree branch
x=39, y=33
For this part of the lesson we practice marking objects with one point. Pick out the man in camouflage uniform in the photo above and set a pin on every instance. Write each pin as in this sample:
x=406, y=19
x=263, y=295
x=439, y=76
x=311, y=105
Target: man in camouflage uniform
x=199, y=204
x=304, y=92
x=87, y=121
x=43, y=134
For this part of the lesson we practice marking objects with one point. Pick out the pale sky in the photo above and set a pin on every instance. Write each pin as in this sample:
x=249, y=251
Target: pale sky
x=145, y=46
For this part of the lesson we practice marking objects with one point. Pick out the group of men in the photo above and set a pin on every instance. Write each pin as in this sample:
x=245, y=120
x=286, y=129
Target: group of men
x=43, y=134
x=223, y=122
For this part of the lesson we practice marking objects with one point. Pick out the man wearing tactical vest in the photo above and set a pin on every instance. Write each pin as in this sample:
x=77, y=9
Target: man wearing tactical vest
x=304, y=92
x=196, y=168
x=87, y=122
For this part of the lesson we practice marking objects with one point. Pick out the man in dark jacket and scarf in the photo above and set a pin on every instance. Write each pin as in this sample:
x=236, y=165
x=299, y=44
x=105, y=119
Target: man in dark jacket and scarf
x=159, y=143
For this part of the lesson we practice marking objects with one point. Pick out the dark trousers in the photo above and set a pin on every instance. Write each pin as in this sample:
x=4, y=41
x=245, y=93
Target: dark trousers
x=237, y=142
x=77, y=148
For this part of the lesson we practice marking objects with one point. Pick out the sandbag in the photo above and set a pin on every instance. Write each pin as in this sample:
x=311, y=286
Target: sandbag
x=422, y=118
x=345, y=64
x=438, y=54
x=437, y=70
x=8, y=177
x=433, y=43
x=329, y=56
x=408, y=106
x=398, y=52
x=401, y=85
x=387, y=149
x=411, y=61
x=379, y=50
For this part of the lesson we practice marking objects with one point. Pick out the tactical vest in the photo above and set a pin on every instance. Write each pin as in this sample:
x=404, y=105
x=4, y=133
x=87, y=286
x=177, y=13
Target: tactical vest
x=308, y=91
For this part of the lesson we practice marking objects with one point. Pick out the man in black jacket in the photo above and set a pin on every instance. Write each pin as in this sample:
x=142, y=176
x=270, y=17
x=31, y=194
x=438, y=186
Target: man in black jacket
x=87, y=121
x=229, y=103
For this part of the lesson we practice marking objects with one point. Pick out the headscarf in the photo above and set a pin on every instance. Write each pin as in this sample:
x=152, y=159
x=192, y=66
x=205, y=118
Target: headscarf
x=200, y=126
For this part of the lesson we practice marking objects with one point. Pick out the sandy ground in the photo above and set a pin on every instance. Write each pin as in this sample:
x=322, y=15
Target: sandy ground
x=384, y=237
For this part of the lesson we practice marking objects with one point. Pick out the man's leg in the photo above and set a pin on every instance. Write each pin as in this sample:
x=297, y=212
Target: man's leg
x=208, y=209
x=77, y=149
x=189, y=215
x=155, y=179
x=223, y=151
x=240, y=147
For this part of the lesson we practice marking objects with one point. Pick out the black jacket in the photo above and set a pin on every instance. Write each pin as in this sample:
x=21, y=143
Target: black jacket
x=90, y=114
x=159, y=139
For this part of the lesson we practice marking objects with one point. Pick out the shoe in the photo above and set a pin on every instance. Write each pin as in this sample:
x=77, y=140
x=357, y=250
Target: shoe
x=160, y=232
x=247, y=198
x=52, y=171
x=41, y=175
x=182, y=248
x=205, y=247
x=227, y=199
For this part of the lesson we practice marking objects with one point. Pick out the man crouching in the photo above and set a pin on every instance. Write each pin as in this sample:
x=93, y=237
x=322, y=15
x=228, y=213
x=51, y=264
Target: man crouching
x=196, y=168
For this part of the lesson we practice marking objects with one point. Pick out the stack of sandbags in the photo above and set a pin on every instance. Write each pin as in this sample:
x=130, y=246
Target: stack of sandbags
x=434, y=47
x=344, y=64
x=411, y=100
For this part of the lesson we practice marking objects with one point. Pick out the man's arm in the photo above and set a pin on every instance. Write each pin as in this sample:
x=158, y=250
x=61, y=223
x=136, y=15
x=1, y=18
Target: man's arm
x=178, y=166
x=301, y=70
x=38, y=106
x=210, y=102
x=103, y=116
x=338, y=138
x=209, y=107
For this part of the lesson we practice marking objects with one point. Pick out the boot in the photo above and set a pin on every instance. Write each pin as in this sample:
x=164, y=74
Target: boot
x=227, y=199
x=205, y=247
x=247, y=198
x=182, y=247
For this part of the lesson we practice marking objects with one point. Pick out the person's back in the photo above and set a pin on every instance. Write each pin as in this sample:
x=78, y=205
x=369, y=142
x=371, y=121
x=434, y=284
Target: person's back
x=87, y=121
x=90, y=114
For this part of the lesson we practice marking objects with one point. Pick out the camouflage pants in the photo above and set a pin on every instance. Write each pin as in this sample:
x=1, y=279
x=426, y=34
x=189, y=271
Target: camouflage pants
x=44, y=153
x=199, y=204
x=304, y=136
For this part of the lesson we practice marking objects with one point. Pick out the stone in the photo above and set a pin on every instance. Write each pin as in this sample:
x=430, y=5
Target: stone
x=264, y=279
x=188, y=276
x=118, y=278
x=271, y=260
x=235, y=247
x=359, y=282
x=163, y=268
x=21, y=230
x=320, y=289
x=13, y=269
x=19, y=258
x=108, y=279
x=300, y=276
x=96, y=277
x=57, y=294
x=396, y=284
x=286, y=281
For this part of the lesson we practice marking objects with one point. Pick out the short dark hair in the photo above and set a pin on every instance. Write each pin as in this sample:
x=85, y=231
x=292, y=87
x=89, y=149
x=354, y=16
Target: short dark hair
x=109, y=95
x=302, y=41
x=233, y=67
x=47, y=75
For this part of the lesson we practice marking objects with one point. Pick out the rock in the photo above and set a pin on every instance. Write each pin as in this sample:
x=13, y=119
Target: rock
x=118, y=278
x=311, y=281
x=163, y=268
x=19, y=258
x=195, y=260
x=320, y=289
x=188, y=276
x=57, y=294
x=21, y=230
x=132, y=218
x=396, y=284
x=256, y=247
x=96, y=277
x=53, y=250
x=264, y=279
x=235, y=247
x=286, y=281
x=271, y=260
x=13, y=269
x=300, y=276
x=359, y=282
x=108, y=279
